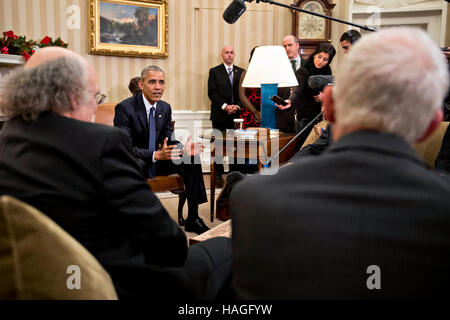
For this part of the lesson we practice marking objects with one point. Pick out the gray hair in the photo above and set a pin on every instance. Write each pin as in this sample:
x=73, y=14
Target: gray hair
x=57, y=86
x=393, y=80
x=150, y=68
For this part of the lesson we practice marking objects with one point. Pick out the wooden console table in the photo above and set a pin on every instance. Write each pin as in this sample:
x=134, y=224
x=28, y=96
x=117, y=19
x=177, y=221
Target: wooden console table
x=260, y=148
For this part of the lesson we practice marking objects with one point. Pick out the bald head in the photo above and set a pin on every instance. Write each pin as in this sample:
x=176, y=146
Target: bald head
x=51, y=53
x=228, y=55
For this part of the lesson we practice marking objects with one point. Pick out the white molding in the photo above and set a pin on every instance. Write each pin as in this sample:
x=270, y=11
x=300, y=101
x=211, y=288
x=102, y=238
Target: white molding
x=11, y=59
x=422, y=6
x=8, y=62
x=430, y=15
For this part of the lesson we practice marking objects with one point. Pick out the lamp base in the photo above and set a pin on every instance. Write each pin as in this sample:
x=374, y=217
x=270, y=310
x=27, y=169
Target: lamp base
x=268, y=108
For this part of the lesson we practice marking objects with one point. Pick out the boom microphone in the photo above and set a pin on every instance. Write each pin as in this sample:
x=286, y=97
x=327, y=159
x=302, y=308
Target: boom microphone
x=234, y=11
x=320, y=81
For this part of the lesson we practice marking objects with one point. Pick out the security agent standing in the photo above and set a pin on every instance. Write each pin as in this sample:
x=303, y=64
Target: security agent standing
x=223, y=91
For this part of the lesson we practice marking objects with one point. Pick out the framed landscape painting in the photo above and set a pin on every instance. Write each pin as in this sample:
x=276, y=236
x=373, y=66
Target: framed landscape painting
x=137, y=28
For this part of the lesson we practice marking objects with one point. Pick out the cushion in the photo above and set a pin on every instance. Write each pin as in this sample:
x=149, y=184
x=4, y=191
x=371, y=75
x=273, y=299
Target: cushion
x=429, y=149
x=35, y=254
x=104, y=114
x=312, y=137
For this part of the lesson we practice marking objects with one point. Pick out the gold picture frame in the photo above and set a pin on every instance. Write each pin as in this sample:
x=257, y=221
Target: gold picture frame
x=137, y=28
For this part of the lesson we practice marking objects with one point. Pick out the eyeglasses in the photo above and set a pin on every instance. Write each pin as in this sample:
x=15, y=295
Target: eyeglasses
x=100, y=98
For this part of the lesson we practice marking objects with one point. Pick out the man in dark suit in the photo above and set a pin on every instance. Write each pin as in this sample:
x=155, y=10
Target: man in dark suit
x=223, y=91
x=366, y=218
x=85, y=177
x=285, y=117
x=148, y=121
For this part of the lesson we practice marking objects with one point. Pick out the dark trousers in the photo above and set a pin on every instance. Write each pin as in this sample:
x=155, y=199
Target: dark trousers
x=191, y=171
x=205, y=275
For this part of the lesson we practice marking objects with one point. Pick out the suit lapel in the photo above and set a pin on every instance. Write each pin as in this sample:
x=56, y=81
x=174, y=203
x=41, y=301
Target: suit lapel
x=236, y=74
x=158, y=117
x=141, y=112
x=225, y=74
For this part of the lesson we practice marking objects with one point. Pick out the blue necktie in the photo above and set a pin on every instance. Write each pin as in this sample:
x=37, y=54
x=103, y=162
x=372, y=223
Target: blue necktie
x=152, y=137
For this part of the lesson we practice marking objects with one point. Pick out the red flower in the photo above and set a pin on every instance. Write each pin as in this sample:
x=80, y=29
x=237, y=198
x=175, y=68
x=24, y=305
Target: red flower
x=4, y=50
x=46, y=40
x=9, y=34
x=25, y=55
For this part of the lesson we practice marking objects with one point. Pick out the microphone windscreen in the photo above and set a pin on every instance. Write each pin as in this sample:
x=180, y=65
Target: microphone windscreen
x=320, y=81
x=234, y=11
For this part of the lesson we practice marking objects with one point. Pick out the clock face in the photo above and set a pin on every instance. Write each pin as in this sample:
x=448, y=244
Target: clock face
x=309, y=26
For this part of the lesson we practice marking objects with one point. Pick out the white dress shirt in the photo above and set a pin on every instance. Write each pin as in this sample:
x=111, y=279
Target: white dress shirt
x=148, y=106
x=232, y=70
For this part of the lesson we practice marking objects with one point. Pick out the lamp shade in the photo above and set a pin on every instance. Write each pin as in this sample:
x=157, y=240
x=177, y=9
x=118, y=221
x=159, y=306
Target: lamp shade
x=270, y=64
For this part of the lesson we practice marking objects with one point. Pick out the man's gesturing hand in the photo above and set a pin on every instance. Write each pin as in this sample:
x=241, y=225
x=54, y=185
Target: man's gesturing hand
x=193, y=148
x=168, y=152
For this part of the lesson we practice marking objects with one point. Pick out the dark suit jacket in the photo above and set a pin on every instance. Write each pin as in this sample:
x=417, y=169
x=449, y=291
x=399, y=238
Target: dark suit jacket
x=219, y=92
x=285, y=118
x=317, y=147
x=131, y=116
x=367, y=200
x=84, y=176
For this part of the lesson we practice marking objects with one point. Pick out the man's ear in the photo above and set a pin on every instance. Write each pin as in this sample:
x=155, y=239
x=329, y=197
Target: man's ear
x=328, y=104
x=140, y=84
x=433, y=125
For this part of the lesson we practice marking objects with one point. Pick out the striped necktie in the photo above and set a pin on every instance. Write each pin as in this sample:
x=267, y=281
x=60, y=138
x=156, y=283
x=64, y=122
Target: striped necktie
x=230, y=76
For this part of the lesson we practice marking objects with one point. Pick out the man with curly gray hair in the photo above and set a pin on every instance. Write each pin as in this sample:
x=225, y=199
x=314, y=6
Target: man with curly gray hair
x=366, y=219
x=85, y=177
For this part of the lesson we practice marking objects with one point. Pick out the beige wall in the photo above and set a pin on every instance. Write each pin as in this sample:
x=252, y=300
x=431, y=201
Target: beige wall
x=447, y=36
x=197, y=32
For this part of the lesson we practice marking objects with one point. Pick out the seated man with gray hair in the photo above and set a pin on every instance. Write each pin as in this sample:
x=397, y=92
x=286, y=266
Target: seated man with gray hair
x=85, y=177
x=366, y=219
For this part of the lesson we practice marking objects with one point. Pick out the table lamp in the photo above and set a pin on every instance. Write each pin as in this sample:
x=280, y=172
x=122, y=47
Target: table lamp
x=269, y=69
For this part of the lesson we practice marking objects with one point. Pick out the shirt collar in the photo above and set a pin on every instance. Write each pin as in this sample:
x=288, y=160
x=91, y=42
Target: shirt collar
x=299, y=61
x=226, y=67
x=148, y=105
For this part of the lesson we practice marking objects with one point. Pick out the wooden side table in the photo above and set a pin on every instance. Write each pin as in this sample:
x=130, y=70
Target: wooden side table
x=261, y=147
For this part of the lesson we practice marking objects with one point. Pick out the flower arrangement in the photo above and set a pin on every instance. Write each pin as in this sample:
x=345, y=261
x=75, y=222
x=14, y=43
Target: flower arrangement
x=19, y=45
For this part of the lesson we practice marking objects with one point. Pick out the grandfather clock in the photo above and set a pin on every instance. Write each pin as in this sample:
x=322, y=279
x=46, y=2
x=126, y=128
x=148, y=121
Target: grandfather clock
x=312, y=30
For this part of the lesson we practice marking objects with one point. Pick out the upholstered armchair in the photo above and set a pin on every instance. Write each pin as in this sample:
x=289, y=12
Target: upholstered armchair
x=39, y=260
